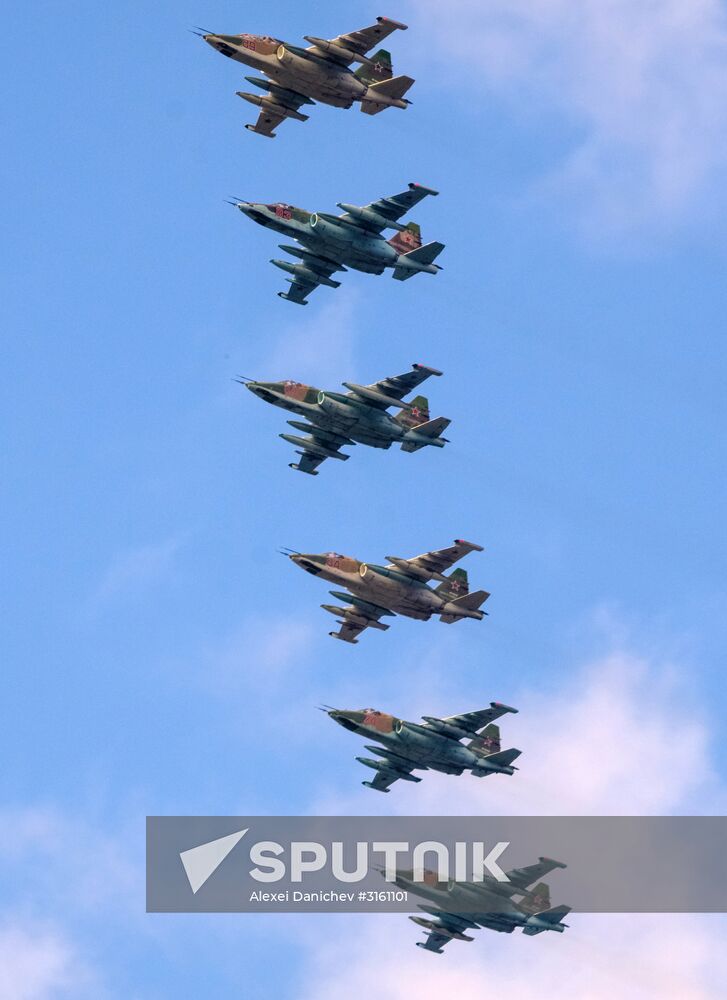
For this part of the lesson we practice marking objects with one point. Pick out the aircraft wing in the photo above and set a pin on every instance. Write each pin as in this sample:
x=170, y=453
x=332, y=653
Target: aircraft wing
x=524, y=877
x=354, y=618
x=387, y=772
x=275, y=107
x=433, y=564
x=309, y=274
x=474, y=721
x=443, y=928
x=398, y=386
x=390, y=209
x=361, y=41
x=316, y=447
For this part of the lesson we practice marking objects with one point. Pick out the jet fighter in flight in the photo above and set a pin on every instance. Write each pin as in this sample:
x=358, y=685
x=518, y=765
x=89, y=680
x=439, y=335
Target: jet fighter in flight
x=463, y=906
x=360, y=415
x=326, y=243
x=436, y=745
x=297, y=77
x=401, y=587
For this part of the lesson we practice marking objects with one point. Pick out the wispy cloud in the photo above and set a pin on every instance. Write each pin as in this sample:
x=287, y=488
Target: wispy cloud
x=645, y=85
x=320, y=345
x=39, y=962
x=634, y=957
x=135, y=570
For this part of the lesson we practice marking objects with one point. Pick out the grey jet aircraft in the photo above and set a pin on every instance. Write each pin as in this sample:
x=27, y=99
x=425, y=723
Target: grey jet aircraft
x=327, y=243
x=462, y=906
x=401, y=587
x=297, y=77
x=358, y=416
x=436, y=745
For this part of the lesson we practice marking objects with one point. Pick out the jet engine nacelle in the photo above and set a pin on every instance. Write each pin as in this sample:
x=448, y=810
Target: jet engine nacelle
x=288, y=58
x=336, y=232
x=335, y=408
x=410, y=734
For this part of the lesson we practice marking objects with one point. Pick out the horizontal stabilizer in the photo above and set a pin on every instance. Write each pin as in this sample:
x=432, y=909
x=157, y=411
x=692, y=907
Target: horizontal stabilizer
x=548, y=920
x=503, y=758
x=425, y=434
x=466, y=606
x=420, y=259
x=386, y=94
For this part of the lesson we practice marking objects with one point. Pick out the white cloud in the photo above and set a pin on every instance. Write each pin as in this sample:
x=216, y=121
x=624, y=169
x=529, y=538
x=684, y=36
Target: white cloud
x=634, y=957
x=620, y=736
x=645, y=85
x=40, y=963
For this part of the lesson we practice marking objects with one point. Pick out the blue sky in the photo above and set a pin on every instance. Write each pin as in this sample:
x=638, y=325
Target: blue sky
x=160, y=655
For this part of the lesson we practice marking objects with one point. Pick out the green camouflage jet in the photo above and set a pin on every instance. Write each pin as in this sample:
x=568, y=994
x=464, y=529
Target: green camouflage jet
x=434, y=746
x=298, y=77
x=327, y=243
x=398, y=588
x=463, y=906
x=337, y=419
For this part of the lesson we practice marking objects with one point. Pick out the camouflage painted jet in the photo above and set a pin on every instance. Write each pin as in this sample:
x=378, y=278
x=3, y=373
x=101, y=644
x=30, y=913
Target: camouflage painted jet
x=398, y=588
x=298, y=77
x=435, y=746
x=337, y=419
x=327, y=243
x=463, y=906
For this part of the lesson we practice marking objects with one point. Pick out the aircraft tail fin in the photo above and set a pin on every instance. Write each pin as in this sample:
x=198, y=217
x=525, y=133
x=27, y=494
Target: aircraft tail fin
x=468, y=603
x=416, y=414
x=407, y=239
x=381, y=69
x=456, y=585
x=488, y=741
x=412, y=261
x=539, y=900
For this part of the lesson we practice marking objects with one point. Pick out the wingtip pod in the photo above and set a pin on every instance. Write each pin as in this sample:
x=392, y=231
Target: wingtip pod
x=390, y=20
x=370, y=784
x=425, y=368
x=268, y=135
x=335, y=635
x=288, y=298
x=504, y=708
x=471, y=545
x=294, y=465
x=422, y=187
x=552, y=861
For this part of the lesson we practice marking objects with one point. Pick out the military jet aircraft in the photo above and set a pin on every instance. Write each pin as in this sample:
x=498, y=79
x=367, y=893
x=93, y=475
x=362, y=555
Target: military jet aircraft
x=299, y=77
x=327, y=243
x=463, y=906
x=435, y=746
x=398, y=588
x=337, y=419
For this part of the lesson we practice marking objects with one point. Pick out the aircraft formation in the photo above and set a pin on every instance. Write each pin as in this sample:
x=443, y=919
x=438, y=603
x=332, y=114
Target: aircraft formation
x=340, y=71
